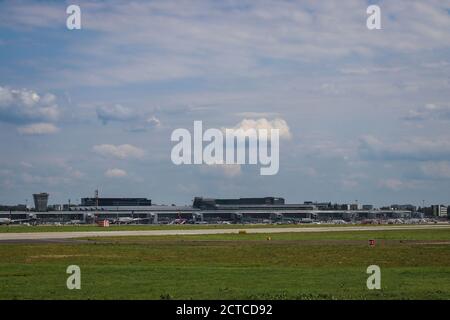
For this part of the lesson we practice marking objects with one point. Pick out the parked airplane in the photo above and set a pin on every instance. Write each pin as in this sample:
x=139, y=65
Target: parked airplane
x=128, y=220
x=75, y=222
x=178, y=221
x=8, y=221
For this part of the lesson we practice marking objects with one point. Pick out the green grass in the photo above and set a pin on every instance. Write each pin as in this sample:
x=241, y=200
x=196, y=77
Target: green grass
x=380, y=235
x=291, y=266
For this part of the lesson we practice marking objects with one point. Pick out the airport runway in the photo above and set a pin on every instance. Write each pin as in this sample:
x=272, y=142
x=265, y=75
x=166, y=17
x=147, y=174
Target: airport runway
x=8, y=237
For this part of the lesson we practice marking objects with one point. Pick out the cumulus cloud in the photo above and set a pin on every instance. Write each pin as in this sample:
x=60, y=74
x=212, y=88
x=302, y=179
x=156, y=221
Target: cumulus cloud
x=270, y=56
x=438, y=170
x=370, y=70
x=136, y=121
x=153, y=121
x=350, y=183
x=26, y=164
x=429, y=112
x=412, y=149
x=51, y=180
x=263, y=123
x=24, y=106
x=142, y=126
x=38, y=129
x=252, y=114
x=115, y=113
x=115, y=173
x=391, y=184
x=261, y=30
x=228, y=170
x=124, y=151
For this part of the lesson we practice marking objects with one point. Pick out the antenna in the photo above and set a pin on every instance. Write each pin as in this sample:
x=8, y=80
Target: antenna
x=96, y=204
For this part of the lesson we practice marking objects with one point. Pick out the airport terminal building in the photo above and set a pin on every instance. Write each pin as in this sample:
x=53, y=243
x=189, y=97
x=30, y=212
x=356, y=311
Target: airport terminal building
x=210, y=210
x=115, y=202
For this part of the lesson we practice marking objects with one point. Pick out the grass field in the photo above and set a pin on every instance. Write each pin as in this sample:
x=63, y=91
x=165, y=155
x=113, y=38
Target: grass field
x=415, y=264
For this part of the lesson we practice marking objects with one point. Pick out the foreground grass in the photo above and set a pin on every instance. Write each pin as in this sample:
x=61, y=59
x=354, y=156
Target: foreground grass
x=290, y=266
x=379, y=235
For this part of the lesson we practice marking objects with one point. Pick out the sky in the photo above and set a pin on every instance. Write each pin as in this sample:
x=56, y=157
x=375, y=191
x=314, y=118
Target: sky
x=366, y=113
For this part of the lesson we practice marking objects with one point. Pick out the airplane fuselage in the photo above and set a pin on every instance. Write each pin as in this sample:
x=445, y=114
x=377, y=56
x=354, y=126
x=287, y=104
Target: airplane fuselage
x=5, y=221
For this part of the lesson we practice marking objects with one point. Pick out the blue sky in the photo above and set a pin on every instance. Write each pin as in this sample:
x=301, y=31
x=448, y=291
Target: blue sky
x=368, y=111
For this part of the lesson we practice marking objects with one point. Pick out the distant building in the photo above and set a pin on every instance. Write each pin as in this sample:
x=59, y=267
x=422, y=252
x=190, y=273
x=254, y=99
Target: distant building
x=320, y=205
x=407, y=207
x=18, y=207
x=40, y=201
x=354, y=206
x=204, y=203
x=439, y=210
x=67, y=207
x=55, y=207
x=115, y=202
x=367, y=207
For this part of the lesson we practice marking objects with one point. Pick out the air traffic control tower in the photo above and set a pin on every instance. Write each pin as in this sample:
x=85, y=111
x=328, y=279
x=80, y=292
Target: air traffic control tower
x=40, y=201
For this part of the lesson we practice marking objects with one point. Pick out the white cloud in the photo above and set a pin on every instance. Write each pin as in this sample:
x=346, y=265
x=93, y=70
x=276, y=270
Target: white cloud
x=250, y=114
x=32, y=15
x=115, y=173
x=250, y=32
x=135, y=121
x=439, y=170
x=434, y=65
x=153, y=121
x=429, y=112
x=38, y=129
x=5, y=172
x=115, y=113
x=23, y=105
x=312, y=63
x=228, y=170
x=308, y=171
x=364, y=71
x=263, y=123
x=231, y=170
x=391, y=184
x=26, y=164
x=124, y=151
x=349, y=183
x=45, y=180
x=412, y=149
